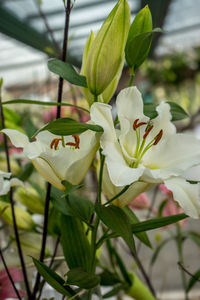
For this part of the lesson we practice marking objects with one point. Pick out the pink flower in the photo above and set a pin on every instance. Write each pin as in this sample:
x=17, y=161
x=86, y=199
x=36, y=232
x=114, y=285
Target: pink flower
x=171, y=207
x=6, y=288
x=140, y=202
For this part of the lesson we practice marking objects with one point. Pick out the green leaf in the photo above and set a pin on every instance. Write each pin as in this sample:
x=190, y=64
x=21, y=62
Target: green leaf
x=67, y=72
x=67, y=126
x=26, y=171
x=193, y=280
x=178, y=113
x=76, y=247
x=116, y=219
x=108, y=278
x=133, y=219
x=157, y=223
x=43, y=103
x=82, y=279
x=53, y=279
x=161, y=207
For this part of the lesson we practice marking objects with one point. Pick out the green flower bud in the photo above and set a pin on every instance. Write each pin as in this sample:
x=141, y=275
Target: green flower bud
x=23, y=218
x=109, y=91
x=138, y=290
x=31, y=199
x=107, y=50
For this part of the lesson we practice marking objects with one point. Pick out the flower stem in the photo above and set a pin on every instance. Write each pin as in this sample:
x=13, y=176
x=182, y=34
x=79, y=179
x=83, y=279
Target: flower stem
x=132, y=77
x=118, y=195
x=20, y=253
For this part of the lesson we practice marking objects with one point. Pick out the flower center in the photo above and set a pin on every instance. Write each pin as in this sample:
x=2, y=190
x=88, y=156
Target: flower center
x=55, y=142
x=142, y=147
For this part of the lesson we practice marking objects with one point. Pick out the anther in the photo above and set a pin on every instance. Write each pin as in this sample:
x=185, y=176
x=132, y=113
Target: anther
x=136, y=124
x=158, y=137
x=148, y=129
x=54, y=143
x=77, y=141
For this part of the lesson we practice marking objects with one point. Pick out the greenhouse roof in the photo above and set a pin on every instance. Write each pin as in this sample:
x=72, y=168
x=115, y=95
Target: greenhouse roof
x=26, y=40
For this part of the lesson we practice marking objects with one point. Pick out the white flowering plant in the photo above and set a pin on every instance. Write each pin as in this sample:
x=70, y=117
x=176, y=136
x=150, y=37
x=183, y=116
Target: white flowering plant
x=134, y=153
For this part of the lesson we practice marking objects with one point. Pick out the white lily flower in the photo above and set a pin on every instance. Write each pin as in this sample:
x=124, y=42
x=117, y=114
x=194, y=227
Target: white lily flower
x=58, y=159
x=148, y=151
x=6, y=183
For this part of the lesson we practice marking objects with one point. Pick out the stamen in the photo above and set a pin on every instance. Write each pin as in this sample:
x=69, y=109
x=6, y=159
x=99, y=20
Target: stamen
x=54, y=143
x=148, y=129
x=158, y=137
x=136, y=124
x=77, y=142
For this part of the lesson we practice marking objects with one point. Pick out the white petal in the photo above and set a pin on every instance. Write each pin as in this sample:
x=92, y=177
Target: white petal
x=46, y=171
x=17, y=138
x=130, y=107
x=186, y=194
x=4, y=187
x=101, y=115
x=192, y=174
x=16, y=182
x=178, y=153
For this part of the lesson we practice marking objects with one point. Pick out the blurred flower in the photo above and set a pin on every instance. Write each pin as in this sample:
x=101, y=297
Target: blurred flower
x=148, y=151
x=6, y=288
x=56, y=159
x=140, y=202
x=6, y=183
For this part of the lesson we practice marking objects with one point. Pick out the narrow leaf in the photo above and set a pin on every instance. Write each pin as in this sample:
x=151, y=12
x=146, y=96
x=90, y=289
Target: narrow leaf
x=133, y=219
x=53, y=278
x=115, y=218
x=82, y=279
x=67, y=72
x=115, y=291
x=193, y=280
x=67, y=126
x=76, y=247
x=108, y=278
x=43, y=103
x=158, y=249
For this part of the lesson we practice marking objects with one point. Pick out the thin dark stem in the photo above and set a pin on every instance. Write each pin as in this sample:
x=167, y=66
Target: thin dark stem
x=49, y=30
x=9, y=276
x=50, y=265
x=64, y=54
x=188, y=272
x=12, y=204
x=59, y=100
x=44, y=237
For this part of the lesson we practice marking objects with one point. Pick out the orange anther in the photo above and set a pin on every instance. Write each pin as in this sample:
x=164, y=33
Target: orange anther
x=54, y=143
x=77, y=141
x=149, y=128
x=136, y=124
x=158, y=137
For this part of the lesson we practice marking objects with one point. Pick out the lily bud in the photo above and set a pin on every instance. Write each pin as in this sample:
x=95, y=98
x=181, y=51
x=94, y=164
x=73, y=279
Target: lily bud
x=31, y=199
x=23, y=218
x=107, y=50
x=138, y=290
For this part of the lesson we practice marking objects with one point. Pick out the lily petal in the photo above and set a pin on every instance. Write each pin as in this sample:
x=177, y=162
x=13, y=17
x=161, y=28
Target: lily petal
x=17, y=138
x=186, y=194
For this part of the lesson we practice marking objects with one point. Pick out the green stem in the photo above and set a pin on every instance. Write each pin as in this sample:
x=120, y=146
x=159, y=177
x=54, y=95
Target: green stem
x=181, y=259
x=95, y=98
x=131, y=78
x=118, y=195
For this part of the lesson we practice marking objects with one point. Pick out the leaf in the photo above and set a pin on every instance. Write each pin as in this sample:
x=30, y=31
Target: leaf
x=76, y=247
x=193, y=280
x=157, y=223
x=26, y=171
x=116, y=219
x=178, y=113
x=44, y=103
x=133, y=219
x=108, y=278
x=82, y=279
x=53, y=278
x=67, y=126
x=67, y=72
x=161, y=207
